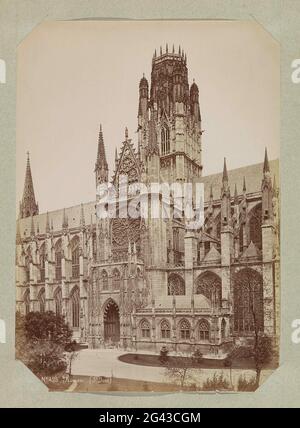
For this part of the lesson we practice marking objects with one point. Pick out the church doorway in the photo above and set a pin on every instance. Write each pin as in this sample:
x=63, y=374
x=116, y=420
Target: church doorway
x=111, y=322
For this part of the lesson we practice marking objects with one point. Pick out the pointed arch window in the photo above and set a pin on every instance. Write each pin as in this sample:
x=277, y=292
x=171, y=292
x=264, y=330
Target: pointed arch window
x=27, y=268
x=75, y=305
x=248, y=301
x=223, y=328
x=58, y=302
x=116, y=279
x=185, y=330
x=209, y=285
x=75, y=256
x=176, y=285
x=145, y=329
x=165, y=329
x=42, y=262
x=42, y=301
x=165, y=140
x=58, y=258
x=104, y=278
x=203, y=330
x=255, y=226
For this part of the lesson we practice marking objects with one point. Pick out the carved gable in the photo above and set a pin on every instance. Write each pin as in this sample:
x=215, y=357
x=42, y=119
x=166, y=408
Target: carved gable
x=128, y=164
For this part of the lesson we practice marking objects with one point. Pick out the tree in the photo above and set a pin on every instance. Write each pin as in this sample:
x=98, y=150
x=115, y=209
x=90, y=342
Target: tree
x=163, y=354
x=262, y=353
x=180, y=371
x=41, y=340
x=262, y=347
x=197, y=357
x=216, y=383
x=47, y=326
x=71, y=356
x=246, y=384
x=22, y=346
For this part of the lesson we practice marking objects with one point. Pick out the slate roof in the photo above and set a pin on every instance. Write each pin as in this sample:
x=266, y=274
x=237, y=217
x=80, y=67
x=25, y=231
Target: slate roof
x=252, y=173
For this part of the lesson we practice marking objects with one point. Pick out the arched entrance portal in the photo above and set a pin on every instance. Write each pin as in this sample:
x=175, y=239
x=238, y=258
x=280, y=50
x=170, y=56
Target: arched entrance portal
x=111, y=322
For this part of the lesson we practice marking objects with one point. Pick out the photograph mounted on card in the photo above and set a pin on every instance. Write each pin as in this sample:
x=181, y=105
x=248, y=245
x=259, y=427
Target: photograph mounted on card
x=147, y=244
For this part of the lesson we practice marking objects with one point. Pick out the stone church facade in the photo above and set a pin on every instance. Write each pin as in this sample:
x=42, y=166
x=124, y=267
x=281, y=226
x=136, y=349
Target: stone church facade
x=144, y=283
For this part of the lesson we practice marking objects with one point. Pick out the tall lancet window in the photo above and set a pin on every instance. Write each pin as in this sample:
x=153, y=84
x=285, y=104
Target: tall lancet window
x=104, y=280
x=27, y=267
x=165, y=140
x=58, y=257
x=42, y=261
x=42, y=300
x=27, y=302
x=75, y=256
x=75, y=305
x=58, y=301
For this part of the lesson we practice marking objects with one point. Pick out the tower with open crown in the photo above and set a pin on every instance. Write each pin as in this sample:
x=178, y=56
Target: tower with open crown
x=169, y=120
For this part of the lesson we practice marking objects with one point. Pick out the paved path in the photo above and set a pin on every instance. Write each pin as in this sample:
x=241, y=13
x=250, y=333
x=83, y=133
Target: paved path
x=104, y=362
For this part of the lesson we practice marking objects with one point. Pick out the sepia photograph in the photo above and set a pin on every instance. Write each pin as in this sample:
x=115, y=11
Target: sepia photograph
x=148, y=221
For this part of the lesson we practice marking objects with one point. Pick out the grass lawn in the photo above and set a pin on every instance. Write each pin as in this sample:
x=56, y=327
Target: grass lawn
x=173, y=361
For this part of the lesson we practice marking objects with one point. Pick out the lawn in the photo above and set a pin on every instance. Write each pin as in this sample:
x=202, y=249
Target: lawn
x=179, y=362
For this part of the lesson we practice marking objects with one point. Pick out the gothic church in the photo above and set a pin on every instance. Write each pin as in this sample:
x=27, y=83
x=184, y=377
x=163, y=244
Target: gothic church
x=144, y=283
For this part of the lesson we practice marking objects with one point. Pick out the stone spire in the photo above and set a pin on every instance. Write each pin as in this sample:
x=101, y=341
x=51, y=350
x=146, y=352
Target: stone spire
x=236, y=198
x=225, y=197
x=101, y=166
x=28, y=206
x=267, y=191
x=266, y=163
x=225, y=173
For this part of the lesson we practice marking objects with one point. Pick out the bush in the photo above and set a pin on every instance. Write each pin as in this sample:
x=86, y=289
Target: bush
x=197, y=356
x=163, y=355
x=71, y=346
x=46, y=358
x=246, y=385
x=217, y=382
x=47, y=326
x=228, y=362
x=41, y=339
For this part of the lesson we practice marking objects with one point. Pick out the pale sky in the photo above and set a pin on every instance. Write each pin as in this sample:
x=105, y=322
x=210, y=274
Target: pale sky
x=72, y=76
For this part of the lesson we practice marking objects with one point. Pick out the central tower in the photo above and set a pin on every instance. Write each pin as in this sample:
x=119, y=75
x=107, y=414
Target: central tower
x=169, y=121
